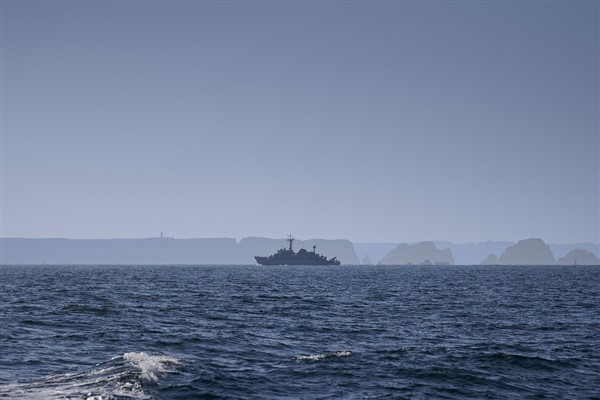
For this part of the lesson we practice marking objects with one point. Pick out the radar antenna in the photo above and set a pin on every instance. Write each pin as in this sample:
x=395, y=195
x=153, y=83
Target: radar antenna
x=291, y=240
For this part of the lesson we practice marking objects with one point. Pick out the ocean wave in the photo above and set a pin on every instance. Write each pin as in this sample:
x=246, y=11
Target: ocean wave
x=529, y=362
x=324, y=356
x=152, y=366
x=126, y=376
x=86, y=308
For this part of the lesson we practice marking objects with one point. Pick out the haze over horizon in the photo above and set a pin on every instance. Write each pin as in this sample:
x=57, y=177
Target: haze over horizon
x=373, y=122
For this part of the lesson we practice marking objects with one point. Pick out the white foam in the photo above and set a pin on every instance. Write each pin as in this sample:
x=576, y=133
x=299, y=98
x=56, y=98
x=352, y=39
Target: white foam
x=151, y=366
x=108, y=380
x=74, y=386
x=317, y=357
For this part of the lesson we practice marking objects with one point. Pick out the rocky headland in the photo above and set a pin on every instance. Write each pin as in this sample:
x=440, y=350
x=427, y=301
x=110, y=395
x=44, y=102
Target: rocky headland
x=418, y=253
x=579, y=257
x=528, y=252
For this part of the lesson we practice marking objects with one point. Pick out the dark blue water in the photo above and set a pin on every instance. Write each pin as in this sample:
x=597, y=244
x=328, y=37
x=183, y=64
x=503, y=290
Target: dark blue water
x=248, y=332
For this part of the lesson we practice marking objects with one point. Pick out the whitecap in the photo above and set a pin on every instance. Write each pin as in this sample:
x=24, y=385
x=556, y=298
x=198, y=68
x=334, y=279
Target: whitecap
x=119, y=377
x=152, y=366
x=323, y=356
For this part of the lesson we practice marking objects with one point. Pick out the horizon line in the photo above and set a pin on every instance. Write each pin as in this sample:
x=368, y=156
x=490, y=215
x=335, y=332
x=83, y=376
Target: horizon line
x=276, y=238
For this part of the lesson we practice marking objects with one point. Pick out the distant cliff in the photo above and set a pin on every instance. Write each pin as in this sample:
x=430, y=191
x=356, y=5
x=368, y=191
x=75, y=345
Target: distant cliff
x=117, y=251
x=229, y=251
x=473, y=253
x=419, y=253
x=375, y=251
x=527, y=252
x=579, y=257
x=158, y=250
x=561, y=250
x=492, y=259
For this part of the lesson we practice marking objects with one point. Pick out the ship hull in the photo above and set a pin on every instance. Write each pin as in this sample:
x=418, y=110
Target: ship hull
x=293, y=261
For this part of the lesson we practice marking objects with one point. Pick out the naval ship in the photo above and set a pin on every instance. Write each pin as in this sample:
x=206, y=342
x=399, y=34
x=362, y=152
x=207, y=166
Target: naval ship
x=290, y=257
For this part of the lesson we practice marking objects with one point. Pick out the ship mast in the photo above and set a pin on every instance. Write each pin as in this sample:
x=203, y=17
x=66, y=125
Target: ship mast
x=291, y=240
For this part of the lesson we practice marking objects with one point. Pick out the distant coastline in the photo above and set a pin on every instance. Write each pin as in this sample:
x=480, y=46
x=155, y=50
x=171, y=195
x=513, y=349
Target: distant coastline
x=165, y=250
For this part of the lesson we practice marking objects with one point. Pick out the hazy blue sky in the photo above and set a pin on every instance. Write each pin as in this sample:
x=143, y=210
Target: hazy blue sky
x=372, y=121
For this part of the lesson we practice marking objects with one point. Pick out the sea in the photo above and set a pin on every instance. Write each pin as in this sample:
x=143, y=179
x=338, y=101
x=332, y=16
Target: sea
x=299, y=332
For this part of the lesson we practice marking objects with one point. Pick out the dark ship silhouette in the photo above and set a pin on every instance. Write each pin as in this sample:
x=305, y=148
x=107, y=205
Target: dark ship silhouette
x=290, y=257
